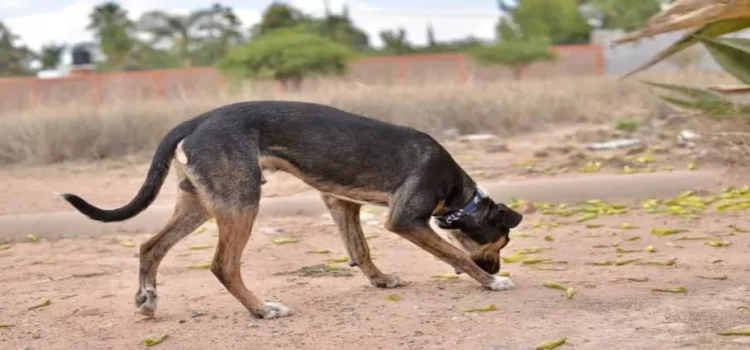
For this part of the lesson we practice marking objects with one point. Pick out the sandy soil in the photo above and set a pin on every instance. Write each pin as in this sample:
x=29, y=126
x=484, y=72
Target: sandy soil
x=615, y=307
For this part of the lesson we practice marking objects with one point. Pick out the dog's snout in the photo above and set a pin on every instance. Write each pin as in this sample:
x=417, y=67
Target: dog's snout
x=512, y=218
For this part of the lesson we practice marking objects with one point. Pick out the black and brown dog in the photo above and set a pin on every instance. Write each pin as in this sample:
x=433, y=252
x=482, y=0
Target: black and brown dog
x=219, y=158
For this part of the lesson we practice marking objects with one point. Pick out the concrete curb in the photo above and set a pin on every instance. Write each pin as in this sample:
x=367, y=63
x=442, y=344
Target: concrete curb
x=605, y=186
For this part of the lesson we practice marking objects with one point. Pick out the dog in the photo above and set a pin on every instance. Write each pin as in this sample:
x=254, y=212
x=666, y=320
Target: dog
x=219, y=157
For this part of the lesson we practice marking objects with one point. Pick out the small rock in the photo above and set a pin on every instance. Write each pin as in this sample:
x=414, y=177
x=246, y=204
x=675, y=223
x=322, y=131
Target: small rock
x=181, y=321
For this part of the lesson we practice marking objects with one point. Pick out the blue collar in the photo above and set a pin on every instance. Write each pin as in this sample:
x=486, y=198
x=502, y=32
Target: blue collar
x=450, y=218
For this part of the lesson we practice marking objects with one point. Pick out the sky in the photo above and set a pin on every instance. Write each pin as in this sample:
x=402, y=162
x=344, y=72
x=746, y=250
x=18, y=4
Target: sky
x=64, y=21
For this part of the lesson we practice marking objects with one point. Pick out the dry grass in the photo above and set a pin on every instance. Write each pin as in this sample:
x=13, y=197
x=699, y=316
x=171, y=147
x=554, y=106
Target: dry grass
x=505, y=108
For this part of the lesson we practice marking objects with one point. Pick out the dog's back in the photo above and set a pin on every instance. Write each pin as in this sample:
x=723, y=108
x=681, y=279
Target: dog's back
x=325, y=146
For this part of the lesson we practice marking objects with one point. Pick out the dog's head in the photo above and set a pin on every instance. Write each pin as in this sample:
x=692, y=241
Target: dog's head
x=483, y=231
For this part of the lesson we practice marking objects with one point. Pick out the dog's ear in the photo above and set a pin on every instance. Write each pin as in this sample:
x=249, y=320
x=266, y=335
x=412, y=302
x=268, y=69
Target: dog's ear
x=510, y=217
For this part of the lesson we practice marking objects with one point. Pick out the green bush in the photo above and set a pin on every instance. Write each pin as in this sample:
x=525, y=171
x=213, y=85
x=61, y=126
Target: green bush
x=288, y=56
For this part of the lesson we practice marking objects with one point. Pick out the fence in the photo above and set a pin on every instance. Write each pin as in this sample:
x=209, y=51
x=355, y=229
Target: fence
x=24, y=93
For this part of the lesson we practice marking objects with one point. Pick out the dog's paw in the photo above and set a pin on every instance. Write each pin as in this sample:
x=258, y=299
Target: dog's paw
x=275, y=310
x=388, y=281
x=500, y=283
x=145, y=301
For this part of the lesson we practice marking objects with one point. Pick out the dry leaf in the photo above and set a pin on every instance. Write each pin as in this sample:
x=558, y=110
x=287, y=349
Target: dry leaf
x=42, y=303
x=32, y=237
x=200, y=246
x=393, y=297
x=552, y=344
x=200, y=266
x=485, y=308
x=678, y=289
x=285, y=240
x=151, y=341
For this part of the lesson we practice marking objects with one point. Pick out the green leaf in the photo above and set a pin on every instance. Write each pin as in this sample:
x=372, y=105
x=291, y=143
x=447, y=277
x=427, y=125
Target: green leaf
x=700, y=99
x=710, y=30
x=732, y=54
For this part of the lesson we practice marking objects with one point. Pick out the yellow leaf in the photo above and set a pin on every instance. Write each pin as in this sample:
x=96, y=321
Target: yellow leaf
x=446, y=276
x=603, y=263
x=632, y=238
x=626, y=226
x=199, y=246
x=5, y=246
x=127, y=243
x=199, y=230
x=532, y=261
x=200, y=266
x=5, y=325
x=514, y=258
x=485, y=308
x=503, y=273
x=718, y=244
x=340, y=259
x=520, y=234
x=736, y=332
x=285, y=240
x=593, y=225
x=678, y=289
x=42, y=303
x=393, y=297
x=549, y=238
x=554, y=285
x=32, y=237
x=151, y=341
x=736, y=228
x=664, y=231
x=587, y=217
x=638, y=279
x=570, y=292
x=320, y=251
x=552, y=344
x=692, y=165
x=651, y=249
x=620, y=262
x=530, y=250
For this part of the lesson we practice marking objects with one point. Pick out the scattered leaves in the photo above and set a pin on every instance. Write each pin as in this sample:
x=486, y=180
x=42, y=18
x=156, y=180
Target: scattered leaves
x=200, y=246
x=532, y=261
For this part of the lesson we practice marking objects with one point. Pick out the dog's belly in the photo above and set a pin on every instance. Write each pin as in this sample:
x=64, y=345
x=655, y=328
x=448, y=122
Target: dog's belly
x=347, y=193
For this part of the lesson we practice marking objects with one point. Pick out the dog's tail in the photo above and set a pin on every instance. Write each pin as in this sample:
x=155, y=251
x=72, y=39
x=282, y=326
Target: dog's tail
x=157, y=173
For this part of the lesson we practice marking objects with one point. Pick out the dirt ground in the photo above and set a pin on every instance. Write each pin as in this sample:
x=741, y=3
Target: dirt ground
x=91, y=283
x=615, y=307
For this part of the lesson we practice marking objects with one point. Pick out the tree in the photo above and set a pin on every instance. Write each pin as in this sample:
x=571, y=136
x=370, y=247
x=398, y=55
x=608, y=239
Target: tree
x=50, y=55
x=178, y=31
x=218, y=29
x=288, y=56
x=277, y=16
x=395, y=42
x=113, y=31
x=431, y=42
x=559, y=20
x=15, y=59
x=516, y=54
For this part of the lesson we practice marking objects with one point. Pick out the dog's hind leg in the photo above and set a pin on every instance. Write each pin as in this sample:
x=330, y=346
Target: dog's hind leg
x=346, y=216
x=188, y=215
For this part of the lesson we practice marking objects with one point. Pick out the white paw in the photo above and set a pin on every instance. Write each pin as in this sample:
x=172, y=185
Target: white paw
x=500, y=283
x=276, y=310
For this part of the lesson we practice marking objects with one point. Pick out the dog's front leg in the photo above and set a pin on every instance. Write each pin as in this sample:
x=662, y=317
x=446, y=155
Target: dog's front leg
x=346, y=216
x=423, y=236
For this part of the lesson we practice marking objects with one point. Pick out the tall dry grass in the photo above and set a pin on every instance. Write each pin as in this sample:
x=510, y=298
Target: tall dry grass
x=82, y=132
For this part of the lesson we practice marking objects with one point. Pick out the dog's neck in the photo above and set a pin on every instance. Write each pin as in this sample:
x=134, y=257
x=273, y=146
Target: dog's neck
x=461, y=206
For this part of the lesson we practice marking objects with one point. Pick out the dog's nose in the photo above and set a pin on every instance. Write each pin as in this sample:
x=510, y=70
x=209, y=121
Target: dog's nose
x=512, y=218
